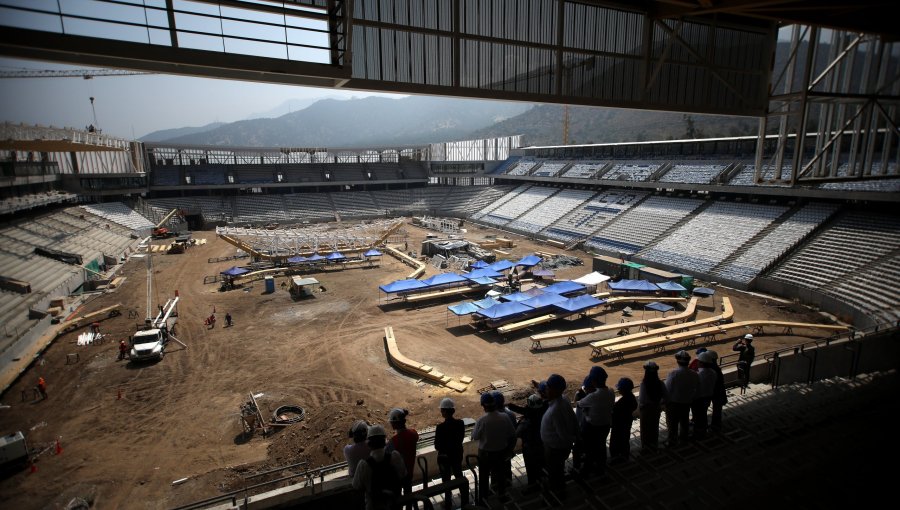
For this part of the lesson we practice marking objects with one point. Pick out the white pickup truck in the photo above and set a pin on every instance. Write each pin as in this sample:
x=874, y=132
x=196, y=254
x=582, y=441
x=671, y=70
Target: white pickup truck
x=150, y=343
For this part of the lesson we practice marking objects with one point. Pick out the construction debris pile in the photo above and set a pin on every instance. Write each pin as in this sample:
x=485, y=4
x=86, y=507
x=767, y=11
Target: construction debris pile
x=444, y=225
x=558, y=261
x=456, y=254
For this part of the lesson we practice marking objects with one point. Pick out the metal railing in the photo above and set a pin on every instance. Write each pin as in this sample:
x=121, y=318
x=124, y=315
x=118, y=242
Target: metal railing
x=241, y=497
x=773, y=358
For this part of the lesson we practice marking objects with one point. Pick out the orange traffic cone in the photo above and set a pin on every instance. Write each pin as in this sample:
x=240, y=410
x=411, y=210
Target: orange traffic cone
x=58, y=447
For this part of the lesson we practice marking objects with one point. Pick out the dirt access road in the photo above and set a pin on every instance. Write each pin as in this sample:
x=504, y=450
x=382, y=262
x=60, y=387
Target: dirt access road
x=179, y=418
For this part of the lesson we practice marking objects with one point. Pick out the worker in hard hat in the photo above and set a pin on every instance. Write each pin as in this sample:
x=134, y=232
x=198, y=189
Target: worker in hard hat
x=651, y=399
x=379, y=475
x=745, y=359
x=359, y=450
x=448, y=439
x=720, y=396
x=623, y=412
x=405, y=441
x=559, y=427
x=123, y=350
x=500, y=404
x=703, y=396
x=529, y=429
x=681, y=386
x=496, y=437
x=42, y=387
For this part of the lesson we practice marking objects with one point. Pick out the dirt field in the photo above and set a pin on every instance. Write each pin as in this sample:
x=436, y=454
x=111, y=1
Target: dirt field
x=179, y=418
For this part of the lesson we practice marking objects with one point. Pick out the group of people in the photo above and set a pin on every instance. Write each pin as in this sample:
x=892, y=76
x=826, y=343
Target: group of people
x=383, y=469
x=210, y=321
x=551, y=428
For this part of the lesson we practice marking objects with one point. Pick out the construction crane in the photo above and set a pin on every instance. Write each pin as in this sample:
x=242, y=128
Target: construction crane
x=87, y=74
x=160, y=231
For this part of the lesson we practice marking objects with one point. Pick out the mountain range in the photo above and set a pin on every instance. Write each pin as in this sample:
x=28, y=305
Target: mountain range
x=415, y=120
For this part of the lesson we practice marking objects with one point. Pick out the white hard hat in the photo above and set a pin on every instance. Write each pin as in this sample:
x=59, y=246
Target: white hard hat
x=376, y=430
x=397, y=414
x=748, y=336
x=707, y=357
x=447, y=403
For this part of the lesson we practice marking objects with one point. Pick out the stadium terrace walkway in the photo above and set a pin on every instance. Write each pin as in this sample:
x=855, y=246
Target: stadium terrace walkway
x=797, y=446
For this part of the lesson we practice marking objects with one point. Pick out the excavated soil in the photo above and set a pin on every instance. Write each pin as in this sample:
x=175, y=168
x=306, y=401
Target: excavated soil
x=127, y=431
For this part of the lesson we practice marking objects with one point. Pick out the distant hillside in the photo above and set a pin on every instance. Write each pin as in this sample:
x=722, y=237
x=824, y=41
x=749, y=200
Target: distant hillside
x=165, y=134
x=289, y=106
x=543, y=125
x=365, y=122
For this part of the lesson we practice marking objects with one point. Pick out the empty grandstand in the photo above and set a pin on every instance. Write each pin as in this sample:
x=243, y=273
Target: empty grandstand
x=704, y=215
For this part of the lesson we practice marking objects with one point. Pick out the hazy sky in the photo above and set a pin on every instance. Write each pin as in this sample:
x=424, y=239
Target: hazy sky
x=132, y=106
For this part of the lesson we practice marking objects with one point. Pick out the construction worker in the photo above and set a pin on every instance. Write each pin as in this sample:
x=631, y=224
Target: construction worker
x=448, y=440
x=123, y=350
x=42, y=387
x=227, y=320
x=745, y=359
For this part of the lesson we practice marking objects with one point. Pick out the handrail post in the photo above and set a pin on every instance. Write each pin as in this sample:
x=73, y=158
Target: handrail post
x=423, y=461
x=776, y=366
x=854, y=347
x=474, y=474
x=812, y=366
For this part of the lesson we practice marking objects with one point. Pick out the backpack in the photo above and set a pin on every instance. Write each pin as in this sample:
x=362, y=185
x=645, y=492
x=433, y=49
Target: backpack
x=385, y=488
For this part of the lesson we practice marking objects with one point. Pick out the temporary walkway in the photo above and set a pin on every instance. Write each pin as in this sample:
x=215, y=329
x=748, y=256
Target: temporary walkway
x=727, y=313
x=419, y=266
x=711, y=334
x=572, y=335
x=417, y=369
x=456, y=291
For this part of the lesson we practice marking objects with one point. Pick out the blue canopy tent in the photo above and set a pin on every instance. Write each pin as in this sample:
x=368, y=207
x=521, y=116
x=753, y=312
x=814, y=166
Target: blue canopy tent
x=296, y=259
x=484, y=280
x=479, y=264
x=543, y=273
x=544, y=300
x=564, y=287
x=401, y=286
x=443, y=279
x=372, y=253
x=504, y=311
x=659, y=307
x=579, y=303
x=314, y=257
x=633, y=286
x=519, y=296
x=486, y=303
x=235, y=271
x=501, y=265
x=529, y=261
x=484, y=272
x=462, y=309
x=335, y=256
x=703, y=291
x=671, y=287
